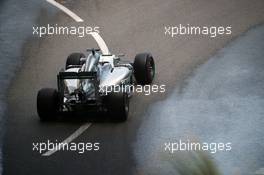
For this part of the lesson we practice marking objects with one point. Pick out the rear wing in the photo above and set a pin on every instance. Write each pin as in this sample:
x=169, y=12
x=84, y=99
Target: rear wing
x=76, y=75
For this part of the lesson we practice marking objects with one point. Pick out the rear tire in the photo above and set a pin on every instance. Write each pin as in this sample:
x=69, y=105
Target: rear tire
x=118, y=106
x=144, y=68
x=74, y=59
x=47, y=103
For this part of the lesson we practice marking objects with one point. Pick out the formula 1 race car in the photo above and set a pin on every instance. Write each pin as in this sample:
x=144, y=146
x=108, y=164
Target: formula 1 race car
x=84, y=84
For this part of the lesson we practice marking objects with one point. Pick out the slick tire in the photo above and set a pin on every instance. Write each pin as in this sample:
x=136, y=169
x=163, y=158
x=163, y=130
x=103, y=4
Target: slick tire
x=118, y=106
x=74, y=59
x=144, y=68
x=47, y=103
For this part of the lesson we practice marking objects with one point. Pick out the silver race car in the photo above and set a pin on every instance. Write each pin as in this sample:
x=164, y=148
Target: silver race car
x=99, y=82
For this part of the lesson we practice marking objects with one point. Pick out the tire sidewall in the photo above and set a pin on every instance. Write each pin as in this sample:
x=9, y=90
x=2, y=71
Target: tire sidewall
x=141, y=70
x=47, y=103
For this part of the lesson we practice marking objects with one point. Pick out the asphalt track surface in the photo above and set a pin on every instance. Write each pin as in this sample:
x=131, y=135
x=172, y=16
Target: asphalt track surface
x=223, y=106
x=127, y=27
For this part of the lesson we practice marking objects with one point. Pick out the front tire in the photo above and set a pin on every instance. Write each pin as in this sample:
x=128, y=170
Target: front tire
x=144, y=68
x=47, y=103
x=74, y=59
x=118, y=106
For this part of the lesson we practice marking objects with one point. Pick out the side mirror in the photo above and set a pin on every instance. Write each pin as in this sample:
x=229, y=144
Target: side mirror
x=117, y=59
x=121, y=55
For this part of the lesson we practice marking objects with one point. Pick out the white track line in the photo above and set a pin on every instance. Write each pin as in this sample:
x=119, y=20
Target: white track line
x=104, y=50
x=66, y=10
x=95, y=35
x=73, y=136
x=82, y=128
x=101, y=43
